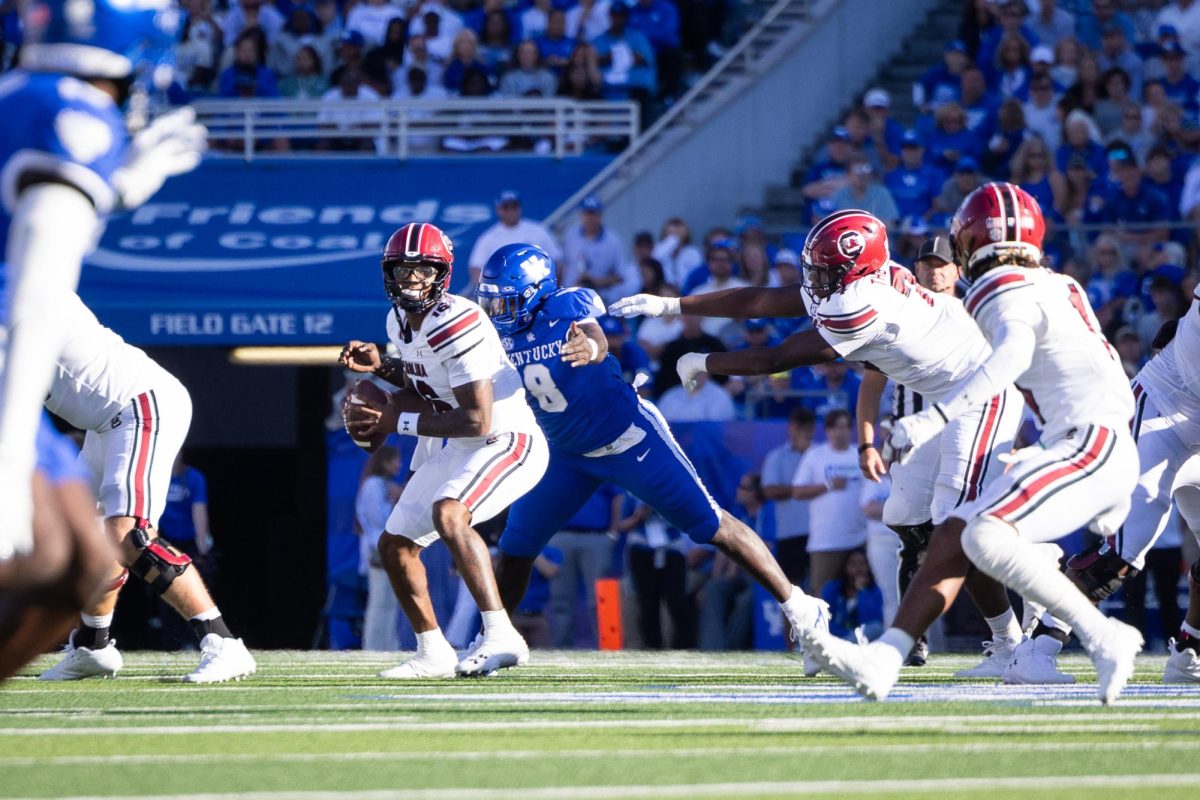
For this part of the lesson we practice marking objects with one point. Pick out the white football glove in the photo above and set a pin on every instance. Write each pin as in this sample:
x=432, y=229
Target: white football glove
x=910, y=433
x=690, y=366
x=645, y=305
x=171, y=145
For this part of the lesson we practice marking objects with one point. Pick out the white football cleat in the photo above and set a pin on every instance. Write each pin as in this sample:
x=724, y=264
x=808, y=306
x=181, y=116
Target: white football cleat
x=871, y=669
x=497, y=650
x=434, y=662
x=1030, y=666
x=1183, y=665
x=996, y=655
x=82, y=662
x=813, y=621
x=221, y=659
x=1114, y=657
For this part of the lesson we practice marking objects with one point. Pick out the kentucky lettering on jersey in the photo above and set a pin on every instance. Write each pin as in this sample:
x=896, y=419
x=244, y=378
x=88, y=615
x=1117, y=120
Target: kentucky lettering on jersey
x=57, y=125
x=580, y=409
x=457, y=345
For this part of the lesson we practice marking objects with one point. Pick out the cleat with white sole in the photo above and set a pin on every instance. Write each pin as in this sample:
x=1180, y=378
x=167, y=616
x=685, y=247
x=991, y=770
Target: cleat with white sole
x=1183, y=664
x=1114, y=657
x=996, y=656
x=496, y=651
x=78, y=663
x=433, y=663
x=871, y=669
x=814, y=621
x=222, y=659
x=1031, y=667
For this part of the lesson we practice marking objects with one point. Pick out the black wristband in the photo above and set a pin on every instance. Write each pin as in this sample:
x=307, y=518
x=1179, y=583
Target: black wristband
x=862, y=448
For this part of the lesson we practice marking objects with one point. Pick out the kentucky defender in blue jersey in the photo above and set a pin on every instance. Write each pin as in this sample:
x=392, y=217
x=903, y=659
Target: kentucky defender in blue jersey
x=66, y=161
x=599, y=430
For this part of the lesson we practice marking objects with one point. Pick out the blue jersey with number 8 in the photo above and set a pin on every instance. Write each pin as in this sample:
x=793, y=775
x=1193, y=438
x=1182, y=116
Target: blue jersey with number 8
x=580, y=409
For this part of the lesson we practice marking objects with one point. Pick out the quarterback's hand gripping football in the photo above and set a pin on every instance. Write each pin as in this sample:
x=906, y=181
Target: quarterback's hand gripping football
x=359, y=356
x=370, y=418
x=171, y=145
x=690, y=367
x=910, y=433
x=645, y=305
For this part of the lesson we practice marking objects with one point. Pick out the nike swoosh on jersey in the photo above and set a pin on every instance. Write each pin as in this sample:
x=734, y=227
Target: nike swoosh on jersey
x=642, y=456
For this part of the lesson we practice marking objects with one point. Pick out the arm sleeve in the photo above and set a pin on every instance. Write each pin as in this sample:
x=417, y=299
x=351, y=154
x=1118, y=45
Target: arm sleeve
x=1012, y=353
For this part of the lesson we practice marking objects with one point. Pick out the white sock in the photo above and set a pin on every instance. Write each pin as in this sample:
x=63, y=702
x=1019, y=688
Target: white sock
x=995, y=548
x=431, y=641
x=496, y=622
x=1005, y=626
x=798, y=609
x=898, y=643
x=205, y=616
x=1047, y=644
x=101, y=621
x=1189, y=630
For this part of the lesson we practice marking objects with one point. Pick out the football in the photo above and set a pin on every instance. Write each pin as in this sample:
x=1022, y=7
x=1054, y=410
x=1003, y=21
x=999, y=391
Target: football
x=404, y=400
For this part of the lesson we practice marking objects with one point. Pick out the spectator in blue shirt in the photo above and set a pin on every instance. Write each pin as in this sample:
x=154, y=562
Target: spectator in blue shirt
x=854, y=600
x=184, y=520
x=1130, y=201
x=247, y=77
x=626, y=58
x=658, y=21
x=632, y=356
x=464, y=56
x=1161, y=175
x=1032, y=170
x=1081, y=138
x=554, y=45
x=914, y=183
x=828, y=175
x=887, y=134
x=839, y=386
x=1179, y=87
x=1010, y=133
x=1089, y=27
x=1012, y=18
x=950, y=139
x=1116, y=53
x=943, y=83
x=1009, y=75
x=977, y=103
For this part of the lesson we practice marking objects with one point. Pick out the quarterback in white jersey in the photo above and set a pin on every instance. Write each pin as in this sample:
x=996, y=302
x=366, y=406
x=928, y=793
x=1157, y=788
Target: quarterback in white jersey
x=135, y=416
x=1046, y=340
x=863, y=310
x=494, y=451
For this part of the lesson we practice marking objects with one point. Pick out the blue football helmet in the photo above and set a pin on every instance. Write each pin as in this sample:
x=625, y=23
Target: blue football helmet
x=515, y=281
x=98, y=38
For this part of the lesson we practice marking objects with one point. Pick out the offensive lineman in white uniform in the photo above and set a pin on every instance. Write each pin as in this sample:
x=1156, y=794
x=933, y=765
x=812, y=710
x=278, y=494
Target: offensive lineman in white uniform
x=1166, y=427
x=1046, y=340
x=494, y=451
x=136, y=416
x=922, y=341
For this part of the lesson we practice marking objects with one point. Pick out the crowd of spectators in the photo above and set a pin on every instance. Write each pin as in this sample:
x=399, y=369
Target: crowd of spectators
x=346, y=50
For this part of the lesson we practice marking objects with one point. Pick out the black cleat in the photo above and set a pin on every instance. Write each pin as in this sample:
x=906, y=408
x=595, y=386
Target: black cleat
x=919, y=655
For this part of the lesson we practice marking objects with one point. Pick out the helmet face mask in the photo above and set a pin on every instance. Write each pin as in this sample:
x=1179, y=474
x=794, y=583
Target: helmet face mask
x=842, y=248
x=417, y=264
x=514, y=283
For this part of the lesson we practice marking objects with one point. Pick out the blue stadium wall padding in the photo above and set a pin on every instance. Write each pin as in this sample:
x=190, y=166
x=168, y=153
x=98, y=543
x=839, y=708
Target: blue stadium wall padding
x=287, y=251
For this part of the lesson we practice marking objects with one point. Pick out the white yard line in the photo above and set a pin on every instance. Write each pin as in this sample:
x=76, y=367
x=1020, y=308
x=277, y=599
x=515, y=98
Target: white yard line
x=128, y=759
x=795, y=788
x=974, y=723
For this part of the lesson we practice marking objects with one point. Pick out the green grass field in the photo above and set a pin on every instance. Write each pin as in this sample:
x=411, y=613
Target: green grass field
x=589, y=725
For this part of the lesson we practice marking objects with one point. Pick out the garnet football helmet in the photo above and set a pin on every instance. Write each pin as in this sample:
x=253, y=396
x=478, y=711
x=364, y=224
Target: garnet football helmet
x=417, y=252
x=840, y=249
x=998, y=223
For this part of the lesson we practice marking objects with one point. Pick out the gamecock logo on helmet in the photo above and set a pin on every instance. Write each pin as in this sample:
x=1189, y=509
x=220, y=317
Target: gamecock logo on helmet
x=851, y=244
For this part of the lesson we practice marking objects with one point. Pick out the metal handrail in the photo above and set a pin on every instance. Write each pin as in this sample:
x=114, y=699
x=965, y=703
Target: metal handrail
x=569, y=125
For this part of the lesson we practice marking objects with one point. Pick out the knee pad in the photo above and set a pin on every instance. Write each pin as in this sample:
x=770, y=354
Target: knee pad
x=1099, y=571
x=157, y=562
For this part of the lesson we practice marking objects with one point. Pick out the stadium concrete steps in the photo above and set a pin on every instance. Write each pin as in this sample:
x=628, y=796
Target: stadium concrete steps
x=783, y=204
